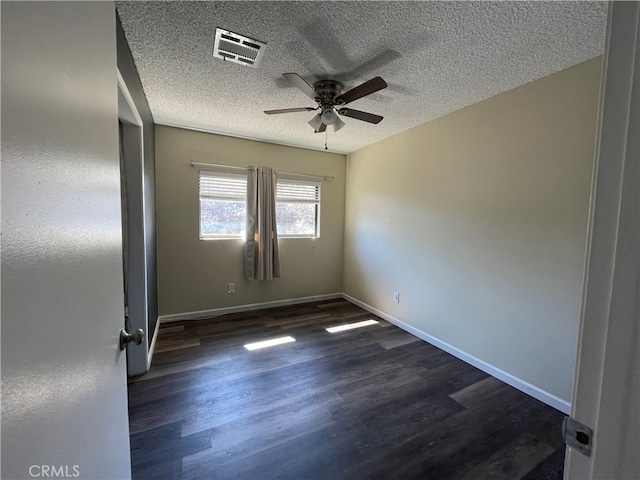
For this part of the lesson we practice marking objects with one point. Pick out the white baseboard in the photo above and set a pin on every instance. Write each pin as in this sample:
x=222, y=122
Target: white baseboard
x=523, y=386
x=244, y=308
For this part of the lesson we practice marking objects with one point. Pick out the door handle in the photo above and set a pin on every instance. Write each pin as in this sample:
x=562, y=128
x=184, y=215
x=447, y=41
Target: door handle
x=126, y=337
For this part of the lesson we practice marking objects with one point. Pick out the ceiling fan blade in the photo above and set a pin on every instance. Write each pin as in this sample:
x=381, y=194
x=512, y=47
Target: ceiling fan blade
x=290, y=110
x=321, y=129
x=298, y=81
x=362, y=90
x=357, y=114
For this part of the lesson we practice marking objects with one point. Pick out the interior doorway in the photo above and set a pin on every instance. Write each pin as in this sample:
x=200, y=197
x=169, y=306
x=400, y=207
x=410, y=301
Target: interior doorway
x=134, y=241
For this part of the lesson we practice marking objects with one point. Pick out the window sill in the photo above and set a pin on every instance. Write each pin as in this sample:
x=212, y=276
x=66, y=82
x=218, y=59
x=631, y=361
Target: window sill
x=298, y=236
x=206, y=239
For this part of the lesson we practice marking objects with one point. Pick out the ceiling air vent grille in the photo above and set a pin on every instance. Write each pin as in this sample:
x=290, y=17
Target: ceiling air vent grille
x=237, y=48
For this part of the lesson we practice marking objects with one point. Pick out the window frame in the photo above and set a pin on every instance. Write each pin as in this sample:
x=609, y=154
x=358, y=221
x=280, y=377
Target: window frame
x=220, y=174
x=292, y=180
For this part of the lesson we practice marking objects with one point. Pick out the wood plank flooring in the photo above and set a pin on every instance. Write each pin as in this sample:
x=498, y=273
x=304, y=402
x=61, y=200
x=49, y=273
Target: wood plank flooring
x=370, y=403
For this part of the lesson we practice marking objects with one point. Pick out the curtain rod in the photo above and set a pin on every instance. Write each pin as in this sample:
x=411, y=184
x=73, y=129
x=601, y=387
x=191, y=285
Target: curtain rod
x=233, y=167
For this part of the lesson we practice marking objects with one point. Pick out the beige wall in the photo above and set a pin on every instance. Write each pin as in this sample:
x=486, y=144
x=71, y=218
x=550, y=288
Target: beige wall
x=478, y=219
x=193, y=273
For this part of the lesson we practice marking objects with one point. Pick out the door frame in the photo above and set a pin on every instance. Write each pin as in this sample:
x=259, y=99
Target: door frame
x=138, y=357
x=606, y=395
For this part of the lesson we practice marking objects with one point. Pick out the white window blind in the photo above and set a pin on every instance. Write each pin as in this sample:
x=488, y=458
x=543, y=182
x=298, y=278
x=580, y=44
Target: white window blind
x=297, y=191
x=223, y=186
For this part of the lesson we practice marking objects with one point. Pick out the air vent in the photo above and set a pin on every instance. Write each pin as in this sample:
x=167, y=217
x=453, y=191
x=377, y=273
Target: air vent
x=236, y=48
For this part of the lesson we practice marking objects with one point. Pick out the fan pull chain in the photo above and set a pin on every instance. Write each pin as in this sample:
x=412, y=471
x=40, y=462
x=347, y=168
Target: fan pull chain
x=325, y=139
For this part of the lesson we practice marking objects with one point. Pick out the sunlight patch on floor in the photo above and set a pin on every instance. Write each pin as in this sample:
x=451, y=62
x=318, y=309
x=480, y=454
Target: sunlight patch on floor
x=269, y=343
x=351, y=326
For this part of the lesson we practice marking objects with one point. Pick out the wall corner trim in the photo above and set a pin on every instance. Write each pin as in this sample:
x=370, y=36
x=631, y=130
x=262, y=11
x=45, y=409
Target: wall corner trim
x=152, y=347
x=523, y=386
x=215, y=312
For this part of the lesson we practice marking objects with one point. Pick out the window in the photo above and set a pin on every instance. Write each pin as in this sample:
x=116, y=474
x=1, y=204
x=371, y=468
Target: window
x=297, y=208
x=223, y=205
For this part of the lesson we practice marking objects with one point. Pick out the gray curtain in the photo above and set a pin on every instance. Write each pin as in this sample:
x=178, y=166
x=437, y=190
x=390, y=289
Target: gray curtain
x=262, y=259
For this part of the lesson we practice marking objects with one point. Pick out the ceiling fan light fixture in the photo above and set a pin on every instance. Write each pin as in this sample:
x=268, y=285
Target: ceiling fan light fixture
x=338, y=124
x=316, y=121
x=329, y=116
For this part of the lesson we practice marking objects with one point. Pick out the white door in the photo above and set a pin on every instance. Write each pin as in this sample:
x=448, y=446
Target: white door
x=64, y=397
x=607, y=392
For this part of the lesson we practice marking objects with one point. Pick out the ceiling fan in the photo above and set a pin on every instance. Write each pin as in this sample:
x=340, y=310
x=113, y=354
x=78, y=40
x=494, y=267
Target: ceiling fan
x=331, y=101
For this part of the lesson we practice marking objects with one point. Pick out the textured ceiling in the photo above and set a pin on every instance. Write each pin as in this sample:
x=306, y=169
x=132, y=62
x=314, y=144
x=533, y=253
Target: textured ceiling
x=436, y=57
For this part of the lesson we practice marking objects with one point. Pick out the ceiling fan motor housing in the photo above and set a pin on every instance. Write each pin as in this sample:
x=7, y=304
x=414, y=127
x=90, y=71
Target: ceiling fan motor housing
x=328, y=91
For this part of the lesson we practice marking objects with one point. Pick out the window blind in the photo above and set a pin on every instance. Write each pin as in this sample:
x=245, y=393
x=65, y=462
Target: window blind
x=297, y=191
x=223, y=186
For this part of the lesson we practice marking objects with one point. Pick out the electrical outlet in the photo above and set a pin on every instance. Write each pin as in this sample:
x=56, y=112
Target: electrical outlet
x=396, y=297
x=231, y=288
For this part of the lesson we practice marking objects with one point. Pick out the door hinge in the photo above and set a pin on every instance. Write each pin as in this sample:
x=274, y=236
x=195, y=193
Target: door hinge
x=577, y=435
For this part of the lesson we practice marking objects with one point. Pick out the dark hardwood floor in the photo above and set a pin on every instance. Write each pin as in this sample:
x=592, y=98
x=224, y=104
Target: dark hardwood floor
x=371, y=403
